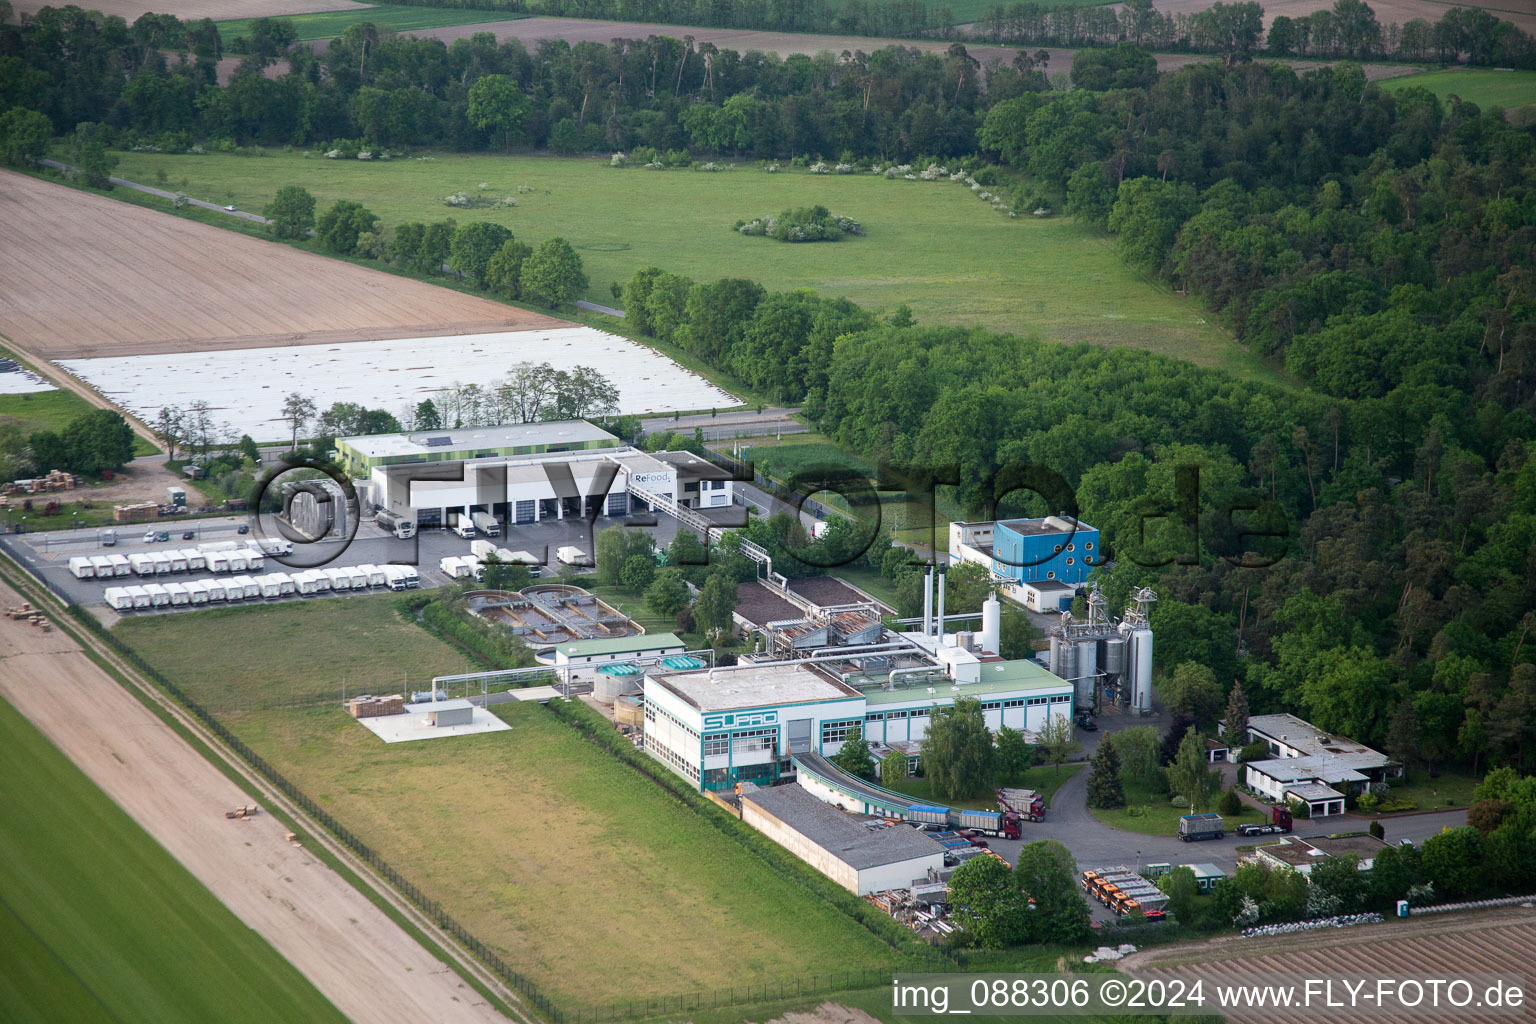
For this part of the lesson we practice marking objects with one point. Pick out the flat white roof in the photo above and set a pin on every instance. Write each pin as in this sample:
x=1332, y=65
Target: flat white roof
x=754, y=687
x=1304, y=736
x=427, y=442
x=408, y=727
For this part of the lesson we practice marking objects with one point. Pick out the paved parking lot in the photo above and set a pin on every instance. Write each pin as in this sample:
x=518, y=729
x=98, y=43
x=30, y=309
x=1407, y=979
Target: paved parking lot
x=48, y=554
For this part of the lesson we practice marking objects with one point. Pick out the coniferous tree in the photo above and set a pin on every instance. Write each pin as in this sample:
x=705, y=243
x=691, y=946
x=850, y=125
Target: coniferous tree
x=1104, y=789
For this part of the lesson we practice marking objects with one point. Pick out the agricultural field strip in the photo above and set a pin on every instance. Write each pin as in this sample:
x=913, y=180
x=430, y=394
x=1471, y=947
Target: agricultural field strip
x=363, y=962
x=82, y=275
x=129, y=10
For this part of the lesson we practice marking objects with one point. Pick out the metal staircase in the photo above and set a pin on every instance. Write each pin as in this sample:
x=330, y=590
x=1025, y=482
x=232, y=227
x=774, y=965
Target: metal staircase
x=711, y=533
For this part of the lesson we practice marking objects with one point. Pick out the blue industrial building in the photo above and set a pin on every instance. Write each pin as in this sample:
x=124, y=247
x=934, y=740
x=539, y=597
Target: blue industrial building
x=1057, y=551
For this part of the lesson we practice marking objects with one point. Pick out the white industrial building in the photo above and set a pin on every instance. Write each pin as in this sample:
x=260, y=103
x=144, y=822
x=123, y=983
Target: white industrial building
x=762, y=720
x=524, y=473
x=1311, y=767
x=861, y=857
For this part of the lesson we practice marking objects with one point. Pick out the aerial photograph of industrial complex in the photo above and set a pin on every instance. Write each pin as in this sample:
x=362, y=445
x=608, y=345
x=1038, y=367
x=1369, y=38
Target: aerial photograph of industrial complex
x=767, y=511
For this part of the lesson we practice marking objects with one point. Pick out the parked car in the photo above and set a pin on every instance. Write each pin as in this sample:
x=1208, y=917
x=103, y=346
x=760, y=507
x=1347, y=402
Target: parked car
x=242, y=528
x=149, y=537
x=188, y=534
x=163, y=536
x=1087, y=724
x=230, y=208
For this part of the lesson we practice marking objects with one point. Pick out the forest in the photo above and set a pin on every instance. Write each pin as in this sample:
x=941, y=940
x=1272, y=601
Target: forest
x=152, y=84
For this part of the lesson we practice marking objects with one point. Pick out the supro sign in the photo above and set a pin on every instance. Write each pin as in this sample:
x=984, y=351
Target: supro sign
x=743, y=720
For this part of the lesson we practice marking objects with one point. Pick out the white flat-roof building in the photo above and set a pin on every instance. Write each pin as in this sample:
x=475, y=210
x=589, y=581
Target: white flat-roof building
x=742, y=724
x=524, y=473
x=1311, y=767
x=860, y=855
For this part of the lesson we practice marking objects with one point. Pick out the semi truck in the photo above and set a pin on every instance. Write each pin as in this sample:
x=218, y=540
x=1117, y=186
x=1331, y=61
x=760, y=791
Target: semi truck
x=1279, y=821
x=393, y=522
x=1026, y=803
x=487, y=524
x=1193, y=827
x=942, y=819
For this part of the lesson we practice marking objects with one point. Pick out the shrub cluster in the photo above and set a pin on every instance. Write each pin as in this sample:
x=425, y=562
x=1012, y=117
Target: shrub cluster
x=806, y=224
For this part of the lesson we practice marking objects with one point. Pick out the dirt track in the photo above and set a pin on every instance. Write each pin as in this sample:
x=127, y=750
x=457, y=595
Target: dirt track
x=85, y=275
x=362, y=961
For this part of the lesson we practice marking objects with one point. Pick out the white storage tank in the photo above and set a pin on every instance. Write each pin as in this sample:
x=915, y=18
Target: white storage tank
x=1114, y=655
x=991, y=625
x=139, y=596
x=159, y=597
x=1141, y=671
x=118, y=599
x=82, y=567
x=178, y=592
x=1087, y=672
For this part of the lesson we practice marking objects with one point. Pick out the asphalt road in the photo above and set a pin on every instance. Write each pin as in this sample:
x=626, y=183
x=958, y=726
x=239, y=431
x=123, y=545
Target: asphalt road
x=163, y=194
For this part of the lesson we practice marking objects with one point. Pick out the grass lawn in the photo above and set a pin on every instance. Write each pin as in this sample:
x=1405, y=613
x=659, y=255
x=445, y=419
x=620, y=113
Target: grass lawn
x=1483, y=86
x=99, y=923
x=330, y=24
x=292, y=653
x=583, y=874
x=1153, y=815
x=931, y=245
x=1043, y=778
x=1436, y=794
x=963, y=12
x=52, y=410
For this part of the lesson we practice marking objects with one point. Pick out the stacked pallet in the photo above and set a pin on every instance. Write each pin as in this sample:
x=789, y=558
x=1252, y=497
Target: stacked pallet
x=136, y=513
x=56, y=480
x=369, y=706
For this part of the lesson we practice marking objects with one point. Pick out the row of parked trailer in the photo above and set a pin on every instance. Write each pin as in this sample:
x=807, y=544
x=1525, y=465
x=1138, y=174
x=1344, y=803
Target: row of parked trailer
x=222, y=556
x=266, y=587
x=473, y=565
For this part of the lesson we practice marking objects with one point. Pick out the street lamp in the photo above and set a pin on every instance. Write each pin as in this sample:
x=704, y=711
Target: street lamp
x=1138, y=862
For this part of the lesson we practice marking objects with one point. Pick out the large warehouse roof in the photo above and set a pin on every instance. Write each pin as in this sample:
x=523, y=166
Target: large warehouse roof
x=755, y=687
x=839, y=833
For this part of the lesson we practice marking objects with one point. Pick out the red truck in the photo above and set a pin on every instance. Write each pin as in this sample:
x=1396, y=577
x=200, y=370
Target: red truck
x=1279, y=821
x=1026, y=803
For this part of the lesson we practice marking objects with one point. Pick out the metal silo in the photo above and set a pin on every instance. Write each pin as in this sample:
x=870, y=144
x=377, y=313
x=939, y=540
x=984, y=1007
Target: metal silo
x=1087, y=672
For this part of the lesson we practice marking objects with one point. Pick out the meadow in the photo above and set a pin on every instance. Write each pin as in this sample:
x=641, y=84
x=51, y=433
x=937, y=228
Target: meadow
x=1154, y=813
x=588, y=877
x=1045, y=779
x=330, y=24
x=100, y=923
x=42, y=410
x=261, y=658
x=930, y=245
x=1485, y=87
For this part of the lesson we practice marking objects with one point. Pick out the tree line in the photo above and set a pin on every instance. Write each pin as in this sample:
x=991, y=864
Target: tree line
x=91, y=443
x=153, y=84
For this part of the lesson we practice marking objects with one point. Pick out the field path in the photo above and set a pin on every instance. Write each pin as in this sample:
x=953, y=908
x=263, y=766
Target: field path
x=361, y=960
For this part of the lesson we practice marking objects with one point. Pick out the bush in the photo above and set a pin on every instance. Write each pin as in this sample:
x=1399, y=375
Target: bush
x=1254, y=752
x=806, y=224
x=1230, y=804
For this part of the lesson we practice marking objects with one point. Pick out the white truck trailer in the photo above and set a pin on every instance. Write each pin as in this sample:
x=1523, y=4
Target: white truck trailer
x=196, y=560
x=482, y=548
x=197, y=591
x=120, y=565
x=159, y=597
x=118, y=599
x=143, y=564
x=178, y=592
x=486, y=524
x=139, y=597
x=569, y=555
x=103, y=566
x=82, y=568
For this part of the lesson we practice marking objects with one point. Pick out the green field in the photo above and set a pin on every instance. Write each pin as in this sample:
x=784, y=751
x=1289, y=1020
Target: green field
x=931, y=245
x=1446, y=790
x=1045, y=779
x=1486, y=88
x=583, y=874
x=43, y=410
x=963, y=12
x=1154, y=815
x=330, y=24
x=292, y=653
x=99, y=923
